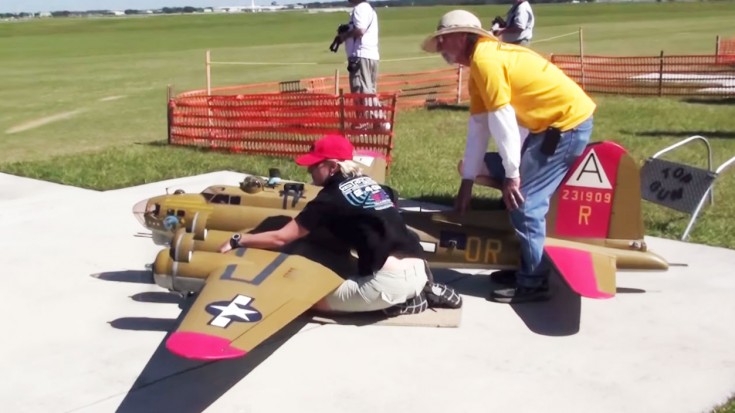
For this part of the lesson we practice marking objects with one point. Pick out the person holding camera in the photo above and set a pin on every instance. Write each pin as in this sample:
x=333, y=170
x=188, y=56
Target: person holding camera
x=360, y=38
x=541, y=121
x=518, y=25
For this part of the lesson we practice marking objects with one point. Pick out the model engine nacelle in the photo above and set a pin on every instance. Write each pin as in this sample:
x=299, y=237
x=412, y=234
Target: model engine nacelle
x=182, y=247
x=198, y=226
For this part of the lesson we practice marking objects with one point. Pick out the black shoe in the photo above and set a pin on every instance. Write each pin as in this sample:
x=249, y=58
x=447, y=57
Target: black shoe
x=504, y=277
x=442, y=296
x=518, y=294
x=413, y=305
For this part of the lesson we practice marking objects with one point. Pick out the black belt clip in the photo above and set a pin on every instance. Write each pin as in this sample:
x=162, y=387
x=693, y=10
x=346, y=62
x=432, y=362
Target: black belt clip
x=552, y=136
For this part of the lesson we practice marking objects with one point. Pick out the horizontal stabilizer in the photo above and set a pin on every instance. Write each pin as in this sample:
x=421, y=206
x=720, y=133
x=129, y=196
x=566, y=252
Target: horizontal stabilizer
x=589, y=274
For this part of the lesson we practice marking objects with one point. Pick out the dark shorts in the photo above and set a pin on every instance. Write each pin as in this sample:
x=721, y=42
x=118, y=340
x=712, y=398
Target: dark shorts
x=494, y=164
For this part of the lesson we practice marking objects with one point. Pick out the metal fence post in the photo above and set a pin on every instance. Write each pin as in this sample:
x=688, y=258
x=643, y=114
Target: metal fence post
x=208, y=64
x=459, y=84
x=581, y=59
x=341, y=100
x=336, y=81
x=661, y=74
x=169, y=112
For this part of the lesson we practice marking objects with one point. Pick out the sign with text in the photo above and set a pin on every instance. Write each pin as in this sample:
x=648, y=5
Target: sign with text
x=673, y=185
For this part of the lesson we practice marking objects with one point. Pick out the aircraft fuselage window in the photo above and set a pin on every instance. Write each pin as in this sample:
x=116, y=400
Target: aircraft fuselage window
x=235, y=200
x=221, y=199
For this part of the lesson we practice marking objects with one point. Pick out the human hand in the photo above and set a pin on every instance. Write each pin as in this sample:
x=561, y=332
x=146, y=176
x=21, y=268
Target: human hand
x=512, y=193
x=231, y=243
x=464, y=196
x=225, y=247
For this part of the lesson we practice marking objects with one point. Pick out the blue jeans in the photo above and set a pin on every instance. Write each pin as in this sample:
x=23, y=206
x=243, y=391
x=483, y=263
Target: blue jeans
x=541, y=175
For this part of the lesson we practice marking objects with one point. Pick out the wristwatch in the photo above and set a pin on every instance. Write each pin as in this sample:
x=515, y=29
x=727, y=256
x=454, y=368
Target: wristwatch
x=235, y=240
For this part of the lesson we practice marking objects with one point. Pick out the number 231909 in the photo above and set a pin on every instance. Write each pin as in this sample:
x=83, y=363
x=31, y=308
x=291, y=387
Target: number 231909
x=587, y=196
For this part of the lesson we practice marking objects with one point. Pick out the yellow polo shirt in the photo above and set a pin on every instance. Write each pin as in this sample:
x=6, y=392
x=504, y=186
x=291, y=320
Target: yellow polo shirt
x=539, y=92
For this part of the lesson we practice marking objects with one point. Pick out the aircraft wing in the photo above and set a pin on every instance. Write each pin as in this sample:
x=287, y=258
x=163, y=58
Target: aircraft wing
x=244, y=303
x=590, y=274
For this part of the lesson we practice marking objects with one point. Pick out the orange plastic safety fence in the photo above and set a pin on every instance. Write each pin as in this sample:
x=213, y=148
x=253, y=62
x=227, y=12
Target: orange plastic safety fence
x=281, y=124
x=650, y=75
x=726, y=51
x=412, y=89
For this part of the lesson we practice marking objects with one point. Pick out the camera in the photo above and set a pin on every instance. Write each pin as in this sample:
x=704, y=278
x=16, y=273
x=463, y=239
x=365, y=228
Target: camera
x=343, y=28
x=498, y=23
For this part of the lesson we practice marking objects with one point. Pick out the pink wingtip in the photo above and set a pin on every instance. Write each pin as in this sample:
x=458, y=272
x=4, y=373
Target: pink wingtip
x=199, y=346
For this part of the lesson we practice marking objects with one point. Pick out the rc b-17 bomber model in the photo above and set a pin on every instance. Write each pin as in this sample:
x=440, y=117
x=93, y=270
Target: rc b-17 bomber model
x=594, y=226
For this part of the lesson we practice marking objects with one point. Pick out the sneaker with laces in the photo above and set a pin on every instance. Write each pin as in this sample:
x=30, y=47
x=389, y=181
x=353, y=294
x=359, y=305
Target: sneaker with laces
x=413, y=305
x=442, y=296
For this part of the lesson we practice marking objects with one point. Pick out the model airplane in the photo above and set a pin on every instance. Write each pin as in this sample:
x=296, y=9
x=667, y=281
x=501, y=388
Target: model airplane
x=594, y=226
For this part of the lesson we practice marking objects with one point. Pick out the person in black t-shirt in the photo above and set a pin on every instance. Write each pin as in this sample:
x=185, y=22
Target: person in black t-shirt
x=359, y=212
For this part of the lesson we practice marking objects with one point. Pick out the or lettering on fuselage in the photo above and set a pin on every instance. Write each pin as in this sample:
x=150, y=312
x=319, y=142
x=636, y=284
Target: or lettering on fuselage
x=483, y=250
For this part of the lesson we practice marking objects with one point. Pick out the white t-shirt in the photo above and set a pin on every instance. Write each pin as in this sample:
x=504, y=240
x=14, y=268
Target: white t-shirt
x=364, y=17
x=522, y=17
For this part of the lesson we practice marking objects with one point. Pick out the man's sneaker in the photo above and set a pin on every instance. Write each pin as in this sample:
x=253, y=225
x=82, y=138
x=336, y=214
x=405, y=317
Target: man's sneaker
x=413, y=305
x=504, y=277
x=440, y=295
x=521, y=295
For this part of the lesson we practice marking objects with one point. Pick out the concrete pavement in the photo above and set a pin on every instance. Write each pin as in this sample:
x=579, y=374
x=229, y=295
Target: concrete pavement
x=85, y=326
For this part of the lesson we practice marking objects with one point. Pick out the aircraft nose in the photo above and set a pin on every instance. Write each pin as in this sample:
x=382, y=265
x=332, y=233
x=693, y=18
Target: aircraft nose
x=140, y=209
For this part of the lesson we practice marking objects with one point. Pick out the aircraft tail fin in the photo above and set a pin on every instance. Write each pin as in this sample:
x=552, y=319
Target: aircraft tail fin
x=599, y=198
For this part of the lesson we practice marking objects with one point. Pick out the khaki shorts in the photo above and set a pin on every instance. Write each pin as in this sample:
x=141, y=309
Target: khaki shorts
x=365, y=78
x=398, y=281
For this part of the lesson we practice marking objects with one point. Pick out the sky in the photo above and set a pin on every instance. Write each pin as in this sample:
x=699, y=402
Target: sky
x=33, y=6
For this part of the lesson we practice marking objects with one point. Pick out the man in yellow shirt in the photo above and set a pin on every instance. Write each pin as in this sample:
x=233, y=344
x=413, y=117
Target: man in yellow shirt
x=541, y=121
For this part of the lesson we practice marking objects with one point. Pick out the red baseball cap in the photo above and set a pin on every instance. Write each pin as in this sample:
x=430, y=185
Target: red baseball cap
x=327, y=147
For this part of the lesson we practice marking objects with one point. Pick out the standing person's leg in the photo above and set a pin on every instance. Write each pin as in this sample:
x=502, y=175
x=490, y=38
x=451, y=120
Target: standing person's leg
x=541, y=175
x=354, y=73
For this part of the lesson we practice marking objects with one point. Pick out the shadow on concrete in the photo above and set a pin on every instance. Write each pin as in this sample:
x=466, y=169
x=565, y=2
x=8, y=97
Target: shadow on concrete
x=560, y=316
x=169, y=383
x=159, y=297
x=128, y=276
x=144, y=324
x=625, y=290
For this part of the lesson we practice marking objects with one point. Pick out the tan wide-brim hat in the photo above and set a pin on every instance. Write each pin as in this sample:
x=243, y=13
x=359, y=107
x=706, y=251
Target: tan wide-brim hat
x=455, y=21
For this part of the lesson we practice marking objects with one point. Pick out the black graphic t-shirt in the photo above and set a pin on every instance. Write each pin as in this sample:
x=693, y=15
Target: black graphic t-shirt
x=361, y=214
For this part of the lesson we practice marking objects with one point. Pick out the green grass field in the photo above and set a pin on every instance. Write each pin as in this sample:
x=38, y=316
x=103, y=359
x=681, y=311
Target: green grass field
x=83, y=101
